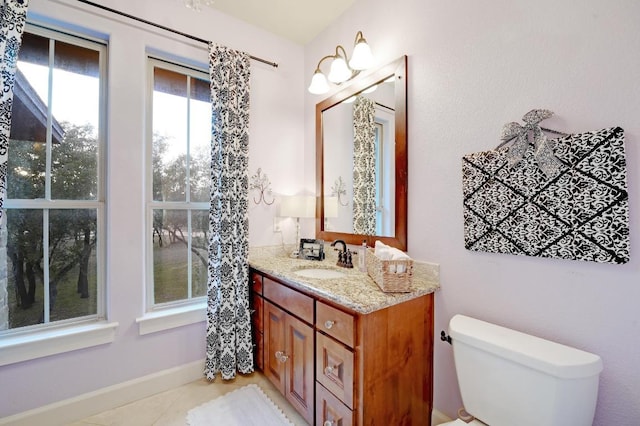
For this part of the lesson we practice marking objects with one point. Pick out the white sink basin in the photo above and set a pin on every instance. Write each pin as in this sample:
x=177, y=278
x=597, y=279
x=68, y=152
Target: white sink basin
x=319, y=273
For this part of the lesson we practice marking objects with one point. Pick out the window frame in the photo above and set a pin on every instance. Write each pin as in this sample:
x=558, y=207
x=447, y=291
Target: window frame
x=49, y=338
x=166, y=315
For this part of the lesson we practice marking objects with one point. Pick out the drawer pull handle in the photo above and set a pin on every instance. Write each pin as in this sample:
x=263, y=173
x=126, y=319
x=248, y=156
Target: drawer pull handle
x=328, y=324
x=328, y=423
x=329, y=370
x=280, y=356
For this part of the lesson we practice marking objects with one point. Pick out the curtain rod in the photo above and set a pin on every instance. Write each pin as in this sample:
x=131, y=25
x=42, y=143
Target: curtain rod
x=162, y=27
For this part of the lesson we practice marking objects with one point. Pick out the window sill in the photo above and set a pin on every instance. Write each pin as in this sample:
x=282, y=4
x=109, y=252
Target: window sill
x=166, y=319
x=39, y=344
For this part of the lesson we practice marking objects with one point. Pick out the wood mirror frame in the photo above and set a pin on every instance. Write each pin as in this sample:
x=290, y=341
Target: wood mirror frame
x=397, y=68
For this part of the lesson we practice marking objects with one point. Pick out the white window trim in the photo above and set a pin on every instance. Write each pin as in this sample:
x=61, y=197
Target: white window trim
x=166, y=319
x=55, y=340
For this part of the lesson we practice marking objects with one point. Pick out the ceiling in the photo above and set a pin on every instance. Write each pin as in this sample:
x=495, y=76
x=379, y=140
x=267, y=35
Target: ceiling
x=297, y=20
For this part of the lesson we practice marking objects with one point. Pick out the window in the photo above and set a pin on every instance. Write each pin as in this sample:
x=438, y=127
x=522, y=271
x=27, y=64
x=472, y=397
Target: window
x=178, y=160
x=55, y=199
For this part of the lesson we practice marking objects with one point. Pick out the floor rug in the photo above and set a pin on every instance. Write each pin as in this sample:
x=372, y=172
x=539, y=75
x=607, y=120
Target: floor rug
x=246, y=406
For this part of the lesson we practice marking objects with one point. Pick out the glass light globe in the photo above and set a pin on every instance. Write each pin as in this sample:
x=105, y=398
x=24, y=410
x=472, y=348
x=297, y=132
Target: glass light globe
x=339, y=71
x=318, y=84
x=362, y=57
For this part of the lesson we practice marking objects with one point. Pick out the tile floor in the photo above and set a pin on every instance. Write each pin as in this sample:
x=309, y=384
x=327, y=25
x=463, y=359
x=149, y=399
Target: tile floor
x=170, y=408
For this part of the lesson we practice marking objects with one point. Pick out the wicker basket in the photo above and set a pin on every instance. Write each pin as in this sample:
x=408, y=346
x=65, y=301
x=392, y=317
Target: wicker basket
x=383, y=273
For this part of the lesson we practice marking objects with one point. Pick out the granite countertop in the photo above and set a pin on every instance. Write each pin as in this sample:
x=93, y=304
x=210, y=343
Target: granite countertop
x=356, y=290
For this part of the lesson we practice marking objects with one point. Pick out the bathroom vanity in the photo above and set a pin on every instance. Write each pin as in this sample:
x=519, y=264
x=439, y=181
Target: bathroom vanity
x=340, y=350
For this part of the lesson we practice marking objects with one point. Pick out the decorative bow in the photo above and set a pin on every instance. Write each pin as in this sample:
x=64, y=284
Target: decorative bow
x=548, y=163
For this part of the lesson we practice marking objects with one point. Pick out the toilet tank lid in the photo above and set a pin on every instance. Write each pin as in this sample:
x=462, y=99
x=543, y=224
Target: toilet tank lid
x=544, y=355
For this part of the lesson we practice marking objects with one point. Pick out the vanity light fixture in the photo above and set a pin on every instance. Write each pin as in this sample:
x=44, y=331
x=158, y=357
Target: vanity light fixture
x=342, y=68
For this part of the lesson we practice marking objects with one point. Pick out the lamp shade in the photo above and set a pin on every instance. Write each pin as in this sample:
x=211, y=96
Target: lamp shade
x=362, y=57
x=318, y=84
x=298, y=206
x=330, y=206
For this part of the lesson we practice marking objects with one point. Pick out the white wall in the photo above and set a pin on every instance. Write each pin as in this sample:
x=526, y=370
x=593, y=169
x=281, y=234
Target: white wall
x=275, y=145
x=474, y=66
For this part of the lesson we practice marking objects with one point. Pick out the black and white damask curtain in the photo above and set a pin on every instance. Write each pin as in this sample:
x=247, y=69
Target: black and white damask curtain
x=13, y=14
x=364, y=167
x=229, y=345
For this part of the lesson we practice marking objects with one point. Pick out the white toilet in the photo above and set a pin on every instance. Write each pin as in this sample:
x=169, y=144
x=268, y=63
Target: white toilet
x=508, y=378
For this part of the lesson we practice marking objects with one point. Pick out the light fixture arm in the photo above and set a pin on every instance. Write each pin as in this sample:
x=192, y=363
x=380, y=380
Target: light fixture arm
x=320, y=62
x=337, y=55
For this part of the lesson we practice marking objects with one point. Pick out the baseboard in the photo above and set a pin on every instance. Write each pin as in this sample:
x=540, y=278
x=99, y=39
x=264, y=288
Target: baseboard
x=86, y=405
x=438, y=417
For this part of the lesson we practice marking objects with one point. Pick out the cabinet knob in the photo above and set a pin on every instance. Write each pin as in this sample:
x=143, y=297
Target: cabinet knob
x=280, y=356
x=329, y=323
x=330, y=369
x=328, y=423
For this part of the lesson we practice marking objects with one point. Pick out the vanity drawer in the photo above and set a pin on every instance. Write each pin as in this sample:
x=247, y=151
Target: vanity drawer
x=330, y=409
x=335, y=323
x=295, y=302
x=334, y=368
x=256, y=282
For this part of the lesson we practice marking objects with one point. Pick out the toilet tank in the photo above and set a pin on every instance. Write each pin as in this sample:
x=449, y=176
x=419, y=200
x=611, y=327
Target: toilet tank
x=509, y=378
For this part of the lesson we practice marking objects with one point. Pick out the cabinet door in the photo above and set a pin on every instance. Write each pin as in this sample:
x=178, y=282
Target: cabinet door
x=299, y=367
x=274, y=345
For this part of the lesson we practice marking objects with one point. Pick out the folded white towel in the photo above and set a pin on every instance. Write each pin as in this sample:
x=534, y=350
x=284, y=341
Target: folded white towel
x=398, y=254
x=385, y=252
x=380, y=246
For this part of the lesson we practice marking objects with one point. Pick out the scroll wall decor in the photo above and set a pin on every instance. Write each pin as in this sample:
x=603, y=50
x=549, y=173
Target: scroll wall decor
x=561, y=198
x=261, y=183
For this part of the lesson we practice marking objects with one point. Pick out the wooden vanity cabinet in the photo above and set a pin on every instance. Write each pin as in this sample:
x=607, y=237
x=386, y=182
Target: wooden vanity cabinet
x=339, y=367
x=288, y=345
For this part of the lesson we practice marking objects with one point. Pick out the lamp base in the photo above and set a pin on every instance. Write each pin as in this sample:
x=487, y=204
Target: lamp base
x=296, y=252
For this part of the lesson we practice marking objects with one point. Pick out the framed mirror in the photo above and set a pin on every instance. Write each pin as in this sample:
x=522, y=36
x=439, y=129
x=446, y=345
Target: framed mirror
x=361, y=159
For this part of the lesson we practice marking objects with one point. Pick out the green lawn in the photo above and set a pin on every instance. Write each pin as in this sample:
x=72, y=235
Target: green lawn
x=170, y=272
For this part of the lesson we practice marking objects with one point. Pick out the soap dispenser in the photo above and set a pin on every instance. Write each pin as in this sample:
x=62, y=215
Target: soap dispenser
x=362, y=265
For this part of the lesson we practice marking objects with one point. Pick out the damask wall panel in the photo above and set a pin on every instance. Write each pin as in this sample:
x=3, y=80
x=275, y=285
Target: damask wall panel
x=580, y=211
